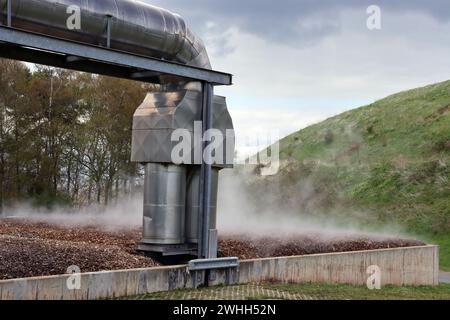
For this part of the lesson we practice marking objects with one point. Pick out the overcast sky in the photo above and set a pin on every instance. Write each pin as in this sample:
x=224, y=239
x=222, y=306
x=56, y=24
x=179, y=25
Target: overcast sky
x=297, y=62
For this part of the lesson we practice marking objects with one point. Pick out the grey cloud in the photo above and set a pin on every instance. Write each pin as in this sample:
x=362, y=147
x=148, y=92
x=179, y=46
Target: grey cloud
x=288, y=21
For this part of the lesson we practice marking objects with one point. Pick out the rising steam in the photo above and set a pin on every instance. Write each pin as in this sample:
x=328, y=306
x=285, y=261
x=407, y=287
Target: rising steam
x=239, y=212
x=125, y=213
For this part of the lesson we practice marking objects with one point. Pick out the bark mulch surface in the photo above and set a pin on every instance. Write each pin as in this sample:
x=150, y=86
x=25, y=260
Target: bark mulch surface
x=250, y=247
x=30, y=248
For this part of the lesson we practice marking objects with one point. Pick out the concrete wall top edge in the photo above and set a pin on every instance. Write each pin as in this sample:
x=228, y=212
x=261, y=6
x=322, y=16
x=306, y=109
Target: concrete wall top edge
x=161, y=268
x=345, y=252
x=175, y=267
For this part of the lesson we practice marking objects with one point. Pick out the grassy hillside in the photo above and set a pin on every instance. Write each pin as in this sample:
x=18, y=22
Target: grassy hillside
x=389, y=160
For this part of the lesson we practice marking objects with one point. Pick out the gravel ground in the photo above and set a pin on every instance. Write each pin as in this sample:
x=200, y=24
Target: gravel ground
x=29, y=248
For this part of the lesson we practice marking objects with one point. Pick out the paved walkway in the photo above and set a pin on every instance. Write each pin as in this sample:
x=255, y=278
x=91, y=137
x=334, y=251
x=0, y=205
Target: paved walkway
x=239, y=292
x=444, y=277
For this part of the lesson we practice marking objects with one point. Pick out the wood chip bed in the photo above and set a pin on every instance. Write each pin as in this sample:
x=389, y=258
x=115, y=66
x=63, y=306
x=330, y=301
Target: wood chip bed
x=29, y=248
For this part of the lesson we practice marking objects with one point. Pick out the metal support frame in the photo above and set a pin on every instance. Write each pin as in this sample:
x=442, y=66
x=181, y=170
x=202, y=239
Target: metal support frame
x=108, y=31
x=9, y=13
x=205, y=238
x=42, y=49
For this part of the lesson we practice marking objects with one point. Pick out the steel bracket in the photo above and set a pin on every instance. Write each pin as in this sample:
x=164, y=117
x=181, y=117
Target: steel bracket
x=212, y=264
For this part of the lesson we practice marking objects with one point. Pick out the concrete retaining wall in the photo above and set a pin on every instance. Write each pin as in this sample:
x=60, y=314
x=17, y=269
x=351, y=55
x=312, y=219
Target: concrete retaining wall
x=400, y=266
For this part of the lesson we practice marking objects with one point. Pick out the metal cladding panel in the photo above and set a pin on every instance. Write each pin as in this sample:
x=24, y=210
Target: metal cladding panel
x=223, y=122
x=164, y=204
x=162, y=113
x=136, y=27
x=157, y=118
x=168, y=110
x=222, y=118
x=154, y=145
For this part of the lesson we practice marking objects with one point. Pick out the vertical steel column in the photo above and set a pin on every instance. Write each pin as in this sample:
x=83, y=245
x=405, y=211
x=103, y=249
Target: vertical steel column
x=205, y=178
x=9, y=13
x=108, y=31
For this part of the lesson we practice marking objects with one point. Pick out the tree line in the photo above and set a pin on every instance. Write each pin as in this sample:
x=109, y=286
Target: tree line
x=65, y=136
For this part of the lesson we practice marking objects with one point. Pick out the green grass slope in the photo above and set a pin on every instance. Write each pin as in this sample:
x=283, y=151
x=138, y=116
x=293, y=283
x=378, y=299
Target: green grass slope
x=390, y=160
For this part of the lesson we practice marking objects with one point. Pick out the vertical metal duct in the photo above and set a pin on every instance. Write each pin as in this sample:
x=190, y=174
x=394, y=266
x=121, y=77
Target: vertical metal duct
x=164, y=204
x=172, y=192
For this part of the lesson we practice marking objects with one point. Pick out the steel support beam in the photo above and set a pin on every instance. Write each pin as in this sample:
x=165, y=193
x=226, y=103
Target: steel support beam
x=29, y=45
x=9, y=13
x=206, y=240
x=108, y=31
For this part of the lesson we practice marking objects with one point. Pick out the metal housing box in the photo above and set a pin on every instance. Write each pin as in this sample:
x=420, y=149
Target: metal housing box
x=162, y=113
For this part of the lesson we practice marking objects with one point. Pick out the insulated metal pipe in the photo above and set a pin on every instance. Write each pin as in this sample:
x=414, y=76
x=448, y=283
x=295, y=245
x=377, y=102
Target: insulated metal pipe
x=134, y=26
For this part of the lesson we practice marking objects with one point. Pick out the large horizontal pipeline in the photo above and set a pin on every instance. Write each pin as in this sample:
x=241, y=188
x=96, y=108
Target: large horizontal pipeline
x=126, y=25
